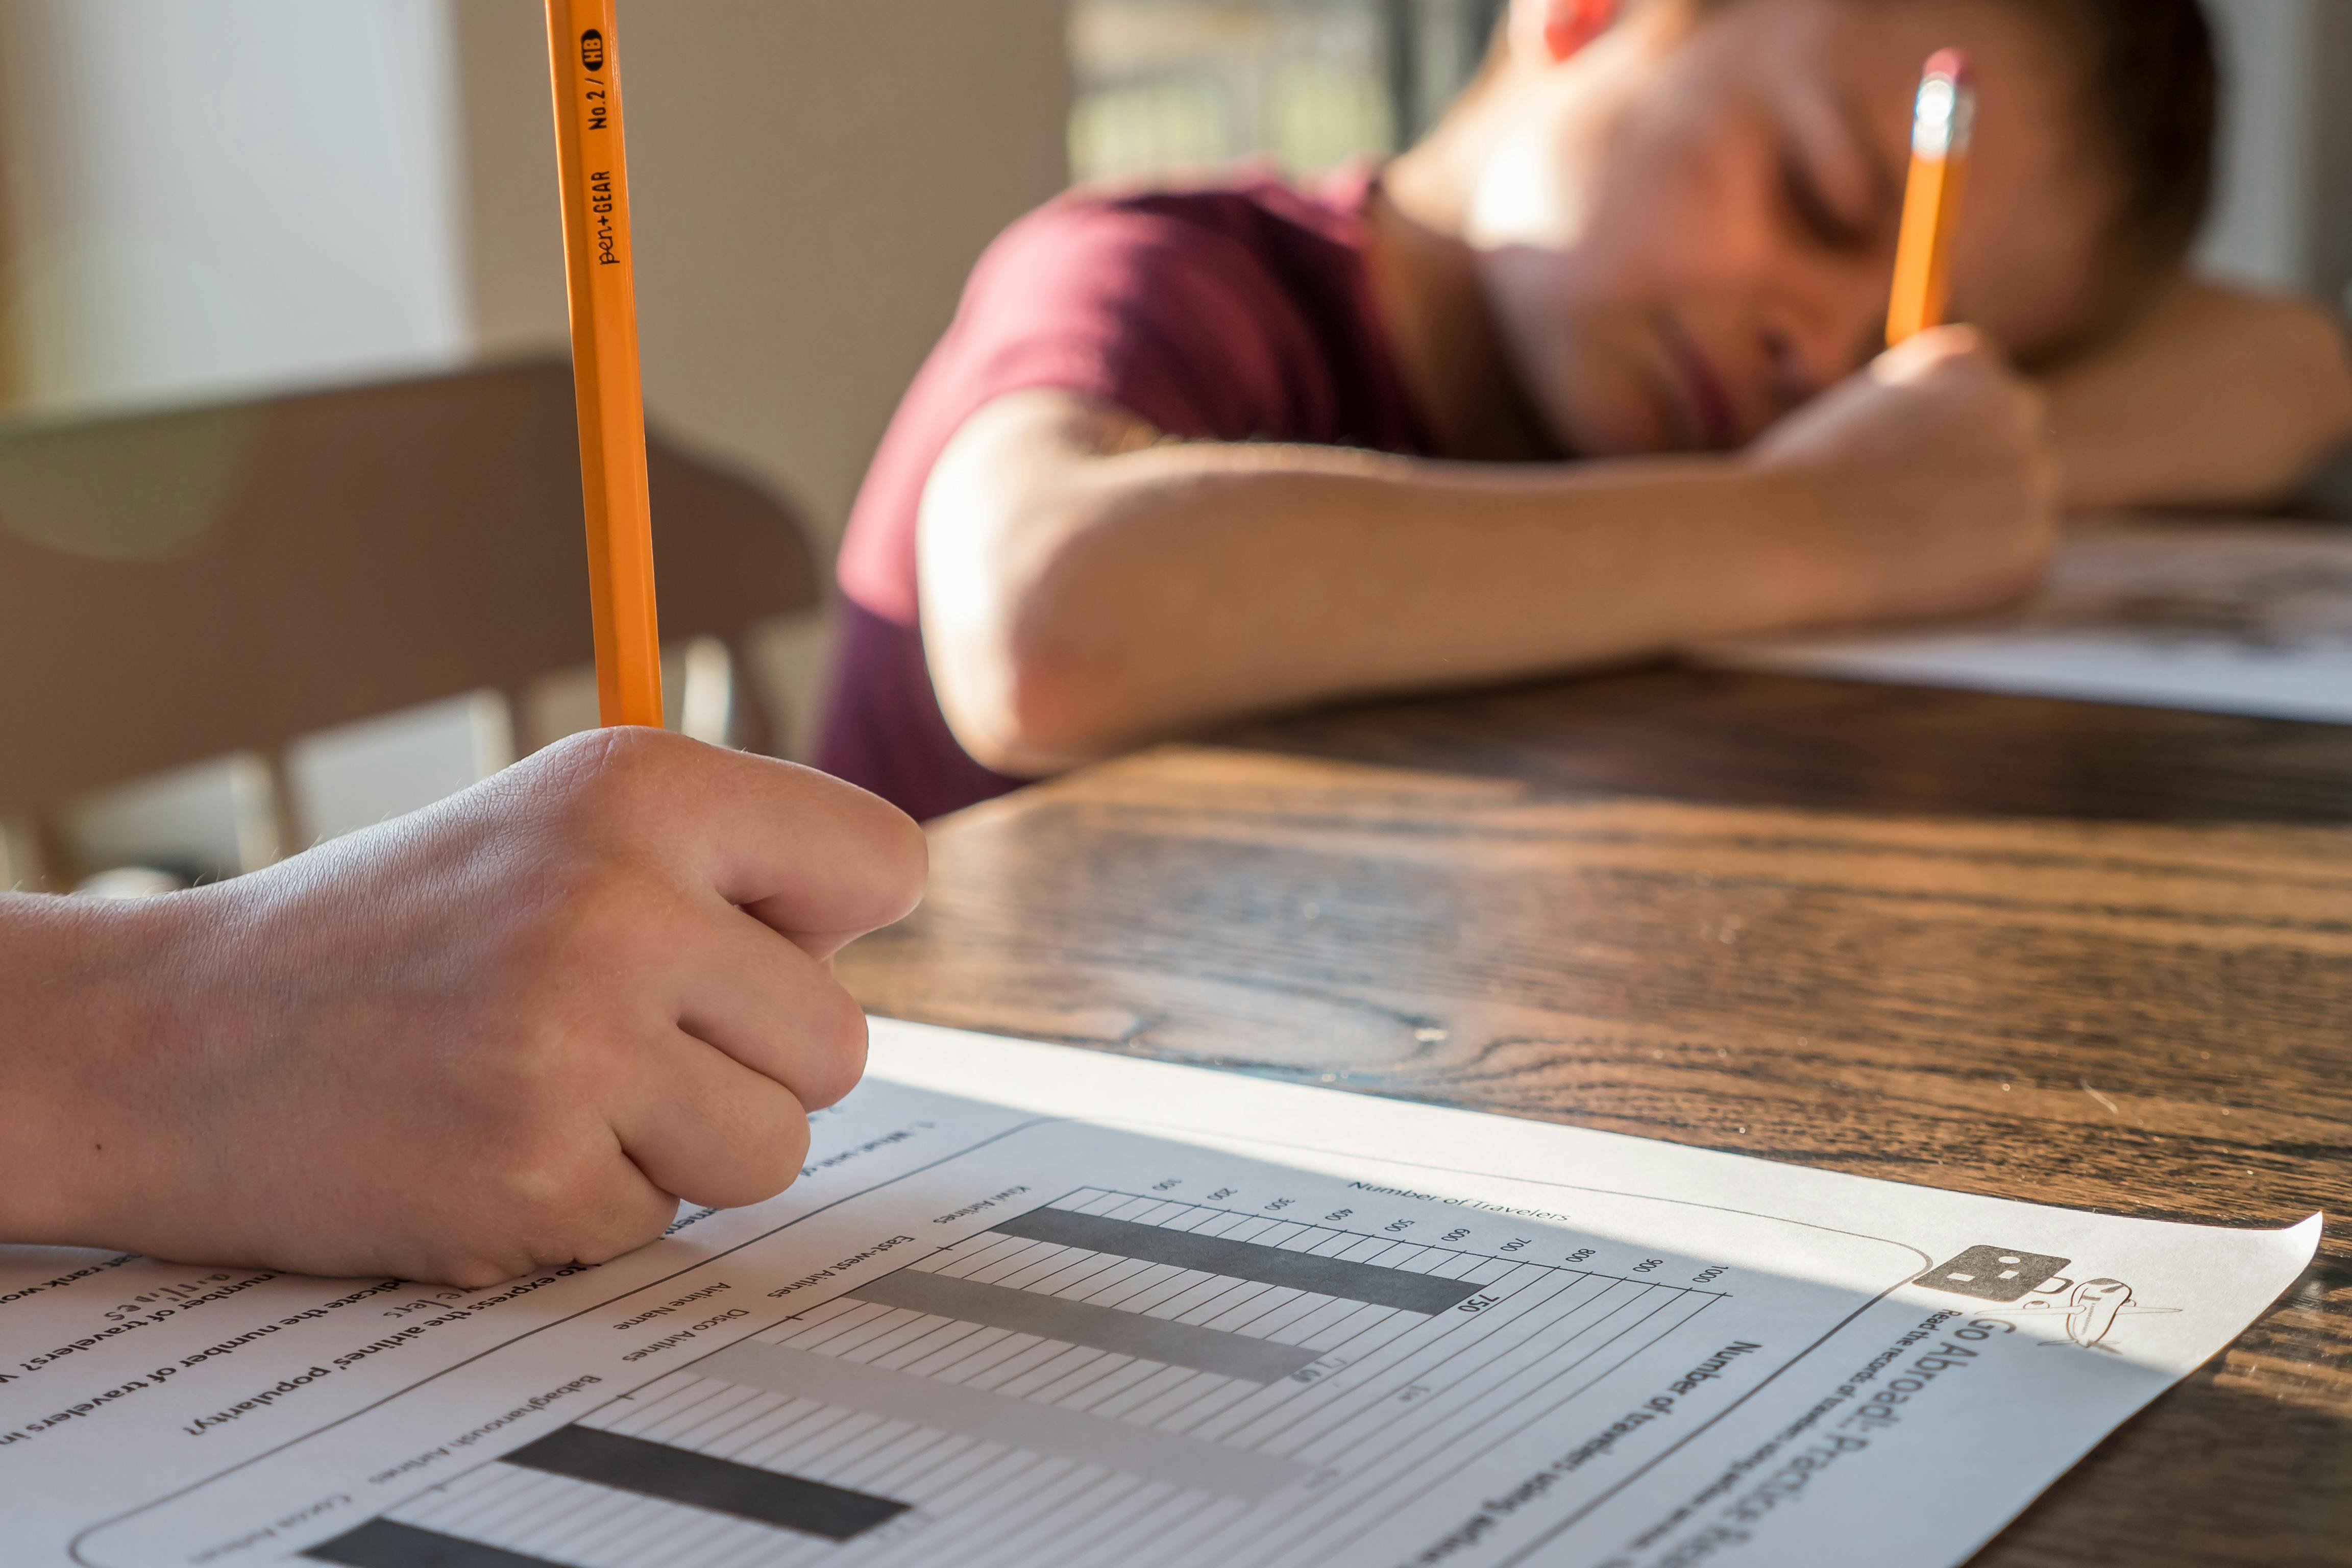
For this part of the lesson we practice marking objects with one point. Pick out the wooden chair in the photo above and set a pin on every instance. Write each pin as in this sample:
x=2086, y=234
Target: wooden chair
x=178, y=586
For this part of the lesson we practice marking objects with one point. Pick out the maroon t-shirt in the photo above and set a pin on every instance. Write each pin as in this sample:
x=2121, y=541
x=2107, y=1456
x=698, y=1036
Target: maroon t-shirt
x=1237, y=312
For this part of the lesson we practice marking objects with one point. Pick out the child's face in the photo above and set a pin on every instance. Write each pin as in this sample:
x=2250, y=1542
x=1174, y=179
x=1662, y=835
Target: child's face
x=1688, y=228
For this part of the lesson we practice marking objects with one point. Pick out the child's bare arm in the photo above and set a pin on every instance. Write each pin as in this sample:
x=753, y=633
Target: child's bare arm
x=1087, y=586
x=2213, y=397
x=511, y=1031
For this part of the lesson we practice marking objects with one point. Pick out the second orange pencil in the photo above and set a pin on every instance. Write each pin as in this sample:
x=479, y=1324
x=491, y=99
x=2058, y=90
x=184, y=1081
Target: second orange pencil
x=601, y=271
x=1943, y=124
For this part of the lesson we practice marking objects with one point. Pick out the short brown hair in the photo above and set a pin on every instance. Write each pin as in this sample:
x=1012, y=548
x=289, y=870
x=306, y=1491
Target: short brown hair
x=2153, y=93
x=2149, y=90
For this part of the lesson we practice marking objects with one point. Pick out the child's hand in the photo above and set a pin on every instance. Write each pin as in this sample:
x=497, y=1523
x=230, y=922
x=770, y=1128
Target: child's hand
x=509, y=1032
x=1935, y=474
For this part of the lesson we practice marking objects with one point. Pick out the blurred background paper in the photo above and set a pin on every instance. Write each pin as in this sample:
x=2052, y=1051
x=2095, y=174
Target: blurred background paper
x=2225, y=617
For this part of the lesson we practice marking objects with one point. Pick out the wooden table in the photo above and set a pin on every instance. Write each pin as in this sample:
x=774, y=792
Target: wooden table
x=2056, y=952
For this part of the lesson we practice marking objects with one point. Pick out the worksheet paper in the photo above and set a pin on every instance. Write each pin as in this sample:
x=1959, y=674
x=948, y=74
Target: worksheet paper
x=1035, y=1306
x=2224, y=618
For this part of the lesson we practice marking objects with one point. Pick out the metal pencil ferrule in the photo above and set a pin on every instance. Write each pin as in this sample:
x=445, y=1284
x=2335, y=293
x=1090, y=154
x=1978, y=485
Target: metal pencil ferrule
x=1944, y=119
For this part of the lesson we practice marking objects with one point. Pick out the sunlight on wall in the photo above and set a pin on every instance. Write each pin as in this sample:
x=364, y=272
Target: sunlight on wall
x=1167, y=84
x=211, y=198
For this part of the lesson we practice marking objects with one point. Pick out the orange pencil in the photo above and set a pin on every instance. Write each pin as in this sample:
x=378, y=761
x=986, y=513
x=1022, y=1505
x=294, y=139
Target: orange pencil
x=601, y=277
x=1943, y=123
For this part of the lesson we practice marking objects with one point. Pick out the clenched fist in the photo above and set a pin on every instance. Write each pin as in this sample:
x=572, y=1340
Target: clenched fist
x=1933, y=475
x=510, y=1031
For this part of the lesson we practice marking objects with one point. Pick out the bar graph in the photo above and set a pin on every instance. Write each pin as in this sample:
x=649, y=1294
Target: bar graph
x=1109, y=1377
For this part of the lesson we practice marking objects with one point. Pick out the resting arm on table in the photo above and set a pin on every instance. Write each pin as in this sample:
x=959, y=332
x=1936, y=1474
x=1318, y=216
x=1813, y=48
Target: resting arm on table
x=2213, y=397
x=1088, y=585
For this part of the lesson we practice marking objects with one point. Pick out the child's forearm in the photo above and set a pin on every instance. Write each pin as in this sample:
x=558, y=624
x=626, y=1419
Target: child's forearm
x=1087, y=588
x=2214, y=398
x=1179, y=585
x=70, y=991
x=1281, y=577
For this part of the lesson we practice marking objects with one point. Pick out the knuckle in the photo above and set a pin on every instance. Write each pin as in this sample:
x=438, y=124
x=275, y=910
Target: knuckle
x=891, y=844
x=788, y=1152
x=625, y=1222
x=612, y=774
x=476, y=1271
x=763, y=1158
x=832, y=1048
x=550, y=1165
x=533, y=1197
x=902, y=860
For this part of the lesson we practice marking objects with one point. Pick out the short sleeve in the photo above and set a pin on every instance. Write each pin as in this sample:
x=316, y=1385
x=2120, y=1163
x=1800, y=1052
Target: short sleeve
x=1234, y=311
x=1163, y=308
x=1172, y=318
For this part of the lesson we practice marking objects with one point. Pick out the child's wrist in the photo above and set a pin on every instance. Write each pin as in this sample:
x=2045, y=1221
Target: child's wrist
x=75, y=985
x=1819, y=566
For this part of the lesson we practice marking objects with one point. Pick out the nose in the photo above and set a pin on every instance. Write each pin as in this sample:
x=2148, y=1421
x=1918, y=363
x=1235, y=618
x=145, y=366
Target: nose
x=1790, y=380
x=1819, y=332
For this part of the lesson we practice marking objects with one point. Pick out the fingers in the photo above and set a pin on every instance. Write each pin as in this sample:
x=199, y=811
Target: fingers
x=770, y=1005
x=622, y=1212
x=812, y=856
x=716, y=1111
x=578, y=1199
x=682, y=900
x=707, y=1129
x=1962, y=368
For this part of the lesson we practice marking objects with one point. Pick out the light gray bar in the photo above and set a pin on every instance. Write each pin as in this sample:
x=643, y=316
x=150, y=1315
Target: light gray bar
x=1082, y=1323
x=1000, y=1418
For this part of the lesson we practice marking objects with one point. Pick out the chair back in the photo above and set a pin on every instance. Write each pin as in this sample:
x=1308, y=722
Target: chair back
x=178, y=586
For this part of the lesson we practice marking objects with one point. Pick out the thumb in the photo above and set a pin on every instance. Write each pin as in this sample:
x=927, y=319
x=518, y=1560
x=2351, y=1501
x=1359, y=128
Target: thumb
x=819, y=860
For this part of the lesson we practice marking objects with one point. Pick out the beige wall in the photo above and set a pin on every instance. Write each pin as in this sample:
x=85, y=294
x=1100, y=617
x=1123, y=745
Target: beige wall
x=811, y=178
x=193, y=207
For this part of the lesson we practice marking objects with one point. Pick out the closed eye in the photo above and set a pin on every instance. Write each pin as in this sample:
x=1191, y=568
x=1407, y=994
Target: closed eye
x=1815, y=213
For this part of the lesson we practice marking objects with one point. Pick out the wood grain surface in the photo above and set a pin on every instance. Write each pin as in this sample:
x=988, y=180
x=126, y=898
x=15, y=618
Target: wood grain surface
x=1930, y=937
x=1771, y=739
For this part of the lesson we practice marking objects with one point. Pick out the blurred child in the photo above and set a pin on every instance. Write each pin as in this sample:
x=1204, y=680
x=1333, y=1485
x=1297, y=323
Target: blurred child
x=1587, y=374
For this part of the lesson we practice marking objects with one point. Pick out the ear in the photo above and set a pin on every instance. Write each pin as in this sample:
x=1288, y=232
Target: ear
x=1552, y=30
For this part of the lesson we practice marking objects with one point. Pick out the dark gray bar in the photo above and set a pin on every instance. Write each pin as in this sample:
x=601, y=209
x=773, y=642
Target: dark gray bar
x=1364, y=1282
x=1083, y=1323
x=381, y=1543
x=697, y=1480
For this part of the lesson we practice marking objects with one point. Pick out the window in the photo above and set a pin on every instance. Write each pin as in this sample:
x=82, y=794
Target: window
x=1168, y=85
